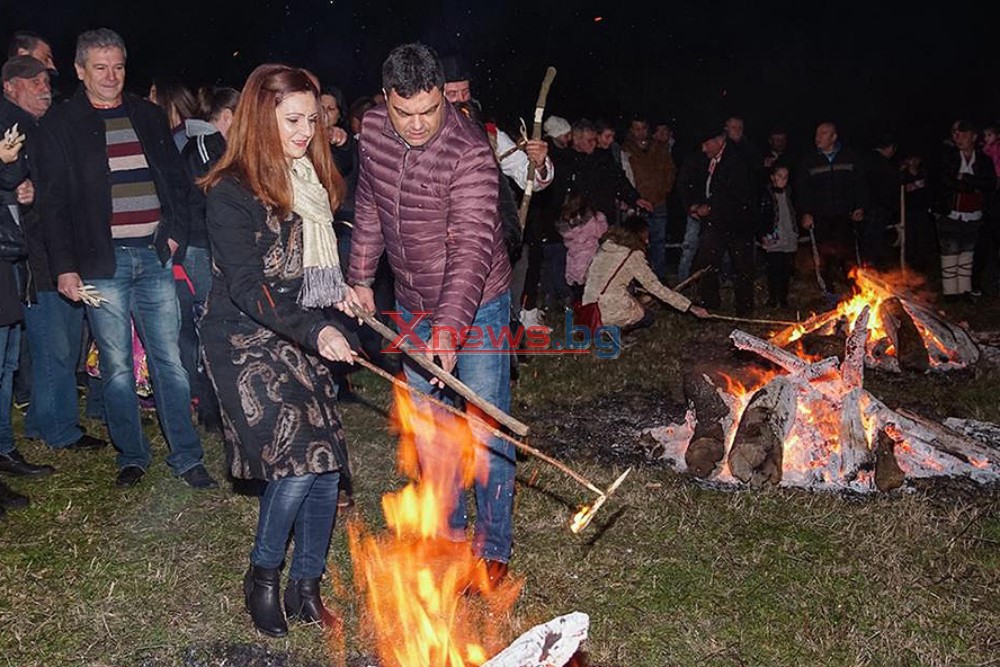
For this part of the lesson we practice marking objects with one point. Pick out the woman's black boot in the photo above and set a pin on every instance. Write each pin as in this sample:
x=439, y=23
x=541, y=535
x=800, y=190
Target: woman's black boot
x=261, y=589
x=303, y=602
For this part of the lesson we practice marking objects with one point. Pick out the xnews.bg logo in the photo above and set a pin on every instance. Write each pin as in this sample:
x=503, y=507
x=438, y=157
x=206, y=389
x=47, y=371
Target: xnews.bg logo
x=604, y=342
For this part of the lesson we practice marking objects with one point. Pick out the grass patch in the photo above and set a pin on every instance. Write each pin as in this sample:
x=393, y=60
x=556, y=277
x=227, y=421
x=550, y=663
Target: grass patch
x=671, y=573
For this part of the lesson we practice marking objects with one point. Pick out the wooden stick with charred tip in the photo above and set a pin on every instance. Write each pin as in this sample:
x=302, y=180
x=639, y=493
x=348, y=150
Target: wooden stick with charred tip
x=586, y=515
x=744, y=320
x=536, y=134
x=453, y=382
x=692, y=278
x=523, y=446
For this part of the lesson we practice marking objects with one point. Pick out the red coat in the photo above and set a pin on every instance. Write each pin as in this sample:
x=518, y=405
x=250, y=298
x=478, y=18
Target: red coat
x=434, y=210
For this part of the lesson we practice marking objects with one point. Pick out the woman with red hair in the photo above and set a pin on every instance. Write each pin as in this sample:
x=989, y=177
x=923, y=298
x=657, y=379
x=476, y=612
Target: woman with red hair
x=269, y=214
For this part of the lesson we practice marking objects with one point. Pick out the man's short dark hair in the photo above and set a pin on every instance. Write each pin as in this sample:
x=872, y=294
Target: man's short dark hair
x=637, y=118
x=412, y=68
x=23, y=39
x=584, y=125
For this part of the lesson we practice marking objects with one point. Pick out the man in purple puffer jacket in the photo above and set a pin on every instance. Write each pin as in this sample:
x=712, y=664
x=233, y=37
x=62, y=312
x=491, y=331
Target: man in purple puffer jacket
x=427, y=196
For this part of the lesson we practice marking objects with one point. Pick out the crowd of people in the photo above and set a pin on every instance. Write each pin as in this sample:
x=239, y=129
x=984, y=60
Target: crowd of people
x=231, y=238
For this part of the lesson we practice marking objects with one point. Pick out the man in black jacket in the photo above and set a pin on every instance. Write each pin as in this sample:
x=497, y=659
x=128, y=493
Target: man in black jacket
x=594, y=172
x=53, y=325
x=833, y=193
x=114, y=201
x=722, y=203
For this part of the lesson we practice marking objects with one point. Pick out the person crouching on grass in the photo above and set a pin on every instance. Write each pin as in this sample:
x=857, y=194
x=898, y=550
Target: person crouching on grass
x=270, y=224
x=620, y=260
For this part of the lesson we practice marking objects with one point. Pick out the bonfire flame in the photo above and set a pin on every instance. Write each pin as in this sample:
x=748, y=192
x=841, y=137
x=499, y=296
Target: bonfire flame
x=413, y=578
x=871, y=290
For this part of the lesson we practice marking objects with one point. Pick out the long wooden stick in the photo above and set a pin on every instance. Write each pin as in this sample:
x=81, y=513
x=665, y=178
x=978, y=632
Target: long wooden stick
x=536, y=133
x=745, y=320
x=523, y=446
x=692, y=278
x=453, y=382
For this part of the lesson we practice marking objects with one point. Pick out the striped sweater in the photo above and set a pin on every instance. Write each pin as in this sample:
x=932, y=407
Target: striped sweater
x=135, y=206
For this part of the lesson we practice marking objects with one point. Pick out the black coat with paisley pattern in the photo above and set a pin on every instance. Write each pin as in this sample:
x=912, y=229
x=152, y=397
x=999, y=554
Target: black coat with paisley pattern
x=277, y=395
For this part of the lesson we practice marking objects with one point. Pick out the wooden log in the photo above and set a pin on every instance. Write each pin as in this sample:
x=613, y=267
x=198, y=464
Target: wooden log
x=750, y=343
x=823, y=346
x=949, y=342
x=852, y=371
x=855, y=454
x=793, y=333
x=707, y=447
x=703, y=456
x=888, y=474
x=946, y=440
x=904, y=335
x=758, y=448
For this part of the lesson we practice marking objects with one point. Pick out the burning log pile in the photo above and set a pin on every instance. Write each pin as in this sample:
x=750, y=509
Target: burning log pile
x=903, y=332
x=814, y=425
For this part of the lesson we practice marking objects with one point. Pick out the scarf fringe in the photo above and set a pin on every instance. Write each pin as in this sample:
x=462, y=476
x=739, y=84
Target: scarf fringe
x=322, y=286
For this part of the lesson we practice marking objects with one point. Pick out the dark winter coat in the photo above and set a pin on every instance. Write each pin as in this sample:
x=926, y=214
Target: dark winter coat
x=831, y=187
x=11, y=175
x=434, y=210
x=600, y=180
x=277, y=396
x=74, y=184
x=983, y=180
x=730, y=196
x=884, y=180
x=200, y=154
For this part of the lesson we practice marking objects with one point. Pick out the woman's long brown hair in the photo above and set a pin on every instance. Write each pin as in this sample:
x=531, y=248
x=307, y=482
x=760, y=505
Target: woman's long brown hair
x=254, y=155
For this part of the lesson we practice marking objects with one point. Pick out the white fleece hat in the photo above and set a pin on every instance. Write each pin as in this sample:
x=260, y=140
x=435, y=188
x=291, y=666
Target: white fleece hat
x=556, y=126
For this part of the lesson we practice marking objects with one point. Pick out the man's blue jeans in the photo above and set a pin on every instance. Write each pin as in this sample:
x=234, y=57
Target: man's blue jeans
x=53, y=327
x=657, y=221
x=689, y=248
x=10, y=350
x=489, y=376
x=143, y=290
x=305, y=504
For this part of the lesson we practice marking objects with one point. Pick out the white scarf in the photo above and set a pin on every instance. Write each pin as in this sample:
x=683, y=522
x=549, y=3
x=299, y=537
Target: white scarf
x=322, y=280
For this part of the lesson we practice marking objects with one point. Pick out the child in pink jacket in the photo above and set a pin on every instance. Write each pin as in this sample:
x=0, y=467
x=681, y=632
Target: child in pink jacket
x=581, y=229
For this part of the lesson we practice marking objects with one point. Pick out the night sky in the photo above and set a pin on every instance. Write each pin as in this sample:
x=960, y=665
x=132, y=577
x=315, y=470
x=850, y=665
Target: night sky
x=872, y=66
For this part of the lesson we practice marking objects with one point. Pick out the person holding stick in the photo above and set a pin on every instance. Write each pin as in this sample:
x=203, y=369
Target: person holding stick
x=428, y=197
x=266, y=336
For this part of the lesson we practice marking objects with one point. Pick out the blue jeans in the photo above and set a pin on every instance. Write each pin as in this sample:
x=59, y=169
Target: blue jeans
x=305, y=505
x=10, y=349
x=198, y=266
x=143, y=290
x=53, y=327
x=657, y=221
x=489, y=376
x=555, y=291
x=689, y=248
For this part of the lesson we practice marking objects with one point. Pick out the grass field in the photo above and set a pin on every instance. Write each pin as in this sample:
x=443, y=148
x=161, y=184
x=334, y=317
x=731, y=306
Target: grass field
x=671, y=573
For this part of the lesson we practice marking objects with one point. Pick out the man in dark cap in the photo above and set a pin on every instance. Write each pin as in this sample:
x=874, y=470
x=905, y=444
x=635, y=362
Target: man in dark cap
x=721, y=202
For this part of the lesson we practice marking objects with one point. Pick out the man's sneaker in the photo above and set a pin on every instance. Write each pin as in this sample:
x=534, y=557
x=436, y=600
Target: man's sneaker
x=12, y=462
x=198, y=478
x=533, y=318
x=129, y=476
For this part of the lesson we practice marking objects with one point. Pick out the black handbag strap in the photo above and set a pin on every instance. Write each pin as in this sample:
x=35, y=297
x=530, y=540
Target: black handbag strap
x=615, y=273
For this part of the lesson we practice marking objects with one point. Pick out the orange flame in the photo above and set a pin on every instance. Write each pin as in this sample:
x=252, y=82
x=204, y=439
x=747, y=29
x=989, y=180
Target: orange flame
x=413, y=577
